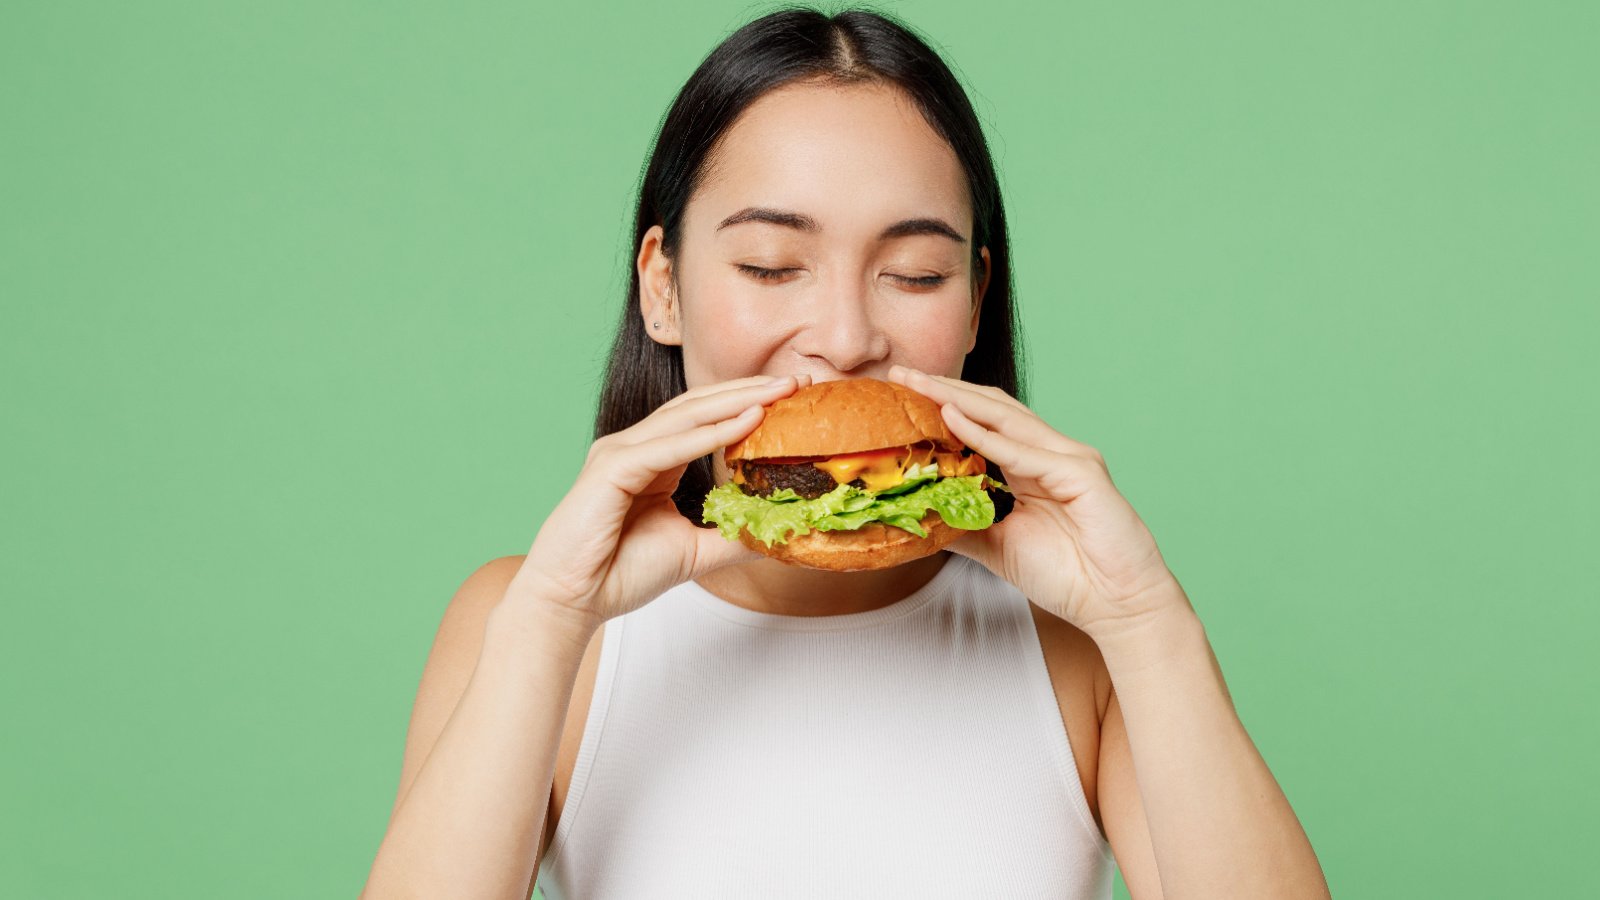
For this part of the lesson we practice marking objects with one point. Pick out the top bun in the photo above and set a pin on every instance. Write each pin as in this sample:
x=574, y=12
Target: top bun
x=848, y=416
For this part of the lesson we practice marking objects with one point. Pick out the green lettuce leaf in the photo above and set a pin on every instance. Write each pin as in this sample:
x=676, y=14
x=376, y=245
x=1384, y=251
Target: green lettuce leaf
x=960, y=501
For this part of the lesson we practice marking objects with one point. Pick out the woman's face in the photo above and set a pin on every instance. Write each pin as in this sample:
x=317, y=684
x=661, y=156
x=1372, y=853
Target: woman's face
x=831, y=237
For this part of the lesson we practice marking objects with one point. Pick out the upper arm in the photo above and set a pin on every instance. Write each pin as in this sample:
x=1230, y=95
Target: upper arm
x=1122, y=810
x=451, y=661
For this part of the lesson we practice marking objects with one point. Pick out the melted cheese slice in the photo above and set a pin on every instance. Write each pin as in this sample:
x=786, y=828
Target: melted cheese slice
x=882, y=469
x=877, y=469
x=956, y=464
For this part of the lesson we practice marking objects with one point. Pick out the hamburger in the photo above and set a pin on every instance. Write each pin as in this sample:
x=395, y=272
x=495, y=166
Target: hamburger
x=852, y=475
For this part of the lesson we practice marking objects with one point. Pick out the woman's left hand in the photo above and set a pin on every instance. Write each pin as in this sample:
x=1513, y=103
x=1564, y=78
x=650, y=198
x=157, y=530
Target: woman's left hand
x=1072, y=544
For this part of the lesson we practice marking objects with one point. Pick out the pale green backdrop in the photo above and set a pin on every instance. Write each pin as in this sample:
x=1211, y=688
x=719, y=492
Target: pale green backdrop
x=304, y=306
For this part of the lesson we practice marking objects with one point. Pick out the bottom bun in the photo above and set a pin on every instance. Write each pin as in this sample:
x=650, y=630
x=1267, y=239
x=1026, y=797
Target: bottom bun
x=872, y=546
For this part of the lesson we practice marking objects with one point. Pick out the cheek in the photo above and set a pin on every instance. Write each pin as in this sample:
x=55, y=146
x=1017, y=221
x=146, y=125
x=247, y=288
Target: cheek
x=934, y=340
x=727, y=332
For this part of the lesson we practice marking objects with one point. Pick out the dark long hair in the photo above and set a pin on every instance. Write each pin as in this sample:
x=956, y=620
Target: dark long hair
x=793, y=44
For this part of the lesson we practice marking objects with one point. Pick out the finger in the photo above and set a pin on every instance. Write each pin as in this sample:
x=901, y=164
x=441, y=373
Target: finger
x=995, y=409
x=720, y=387
x=633, y=467
x=683, y=411
x=713, y=551
x=983, y=546
x=902, y=374
x=1064, y=475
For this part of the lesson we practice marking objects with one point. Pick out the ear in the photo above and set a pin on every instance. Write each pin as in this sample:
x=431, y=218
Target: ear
x=657, y=304
x=977, y=299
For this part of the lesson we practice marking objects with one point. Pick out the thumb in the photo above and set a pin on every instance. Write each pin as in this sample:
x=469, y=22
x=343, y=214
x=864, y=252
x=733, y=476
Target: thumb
x=713, y=551
x=981, y=546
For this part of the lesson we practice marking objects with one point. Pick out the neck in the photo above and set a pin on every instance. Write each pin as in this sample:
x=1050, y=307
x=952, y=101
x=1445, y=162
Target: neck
x=769, y=586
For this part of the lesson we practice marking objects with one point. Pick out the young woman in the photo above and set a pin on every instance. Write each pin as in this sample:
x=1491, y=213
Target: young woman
x=640, y=708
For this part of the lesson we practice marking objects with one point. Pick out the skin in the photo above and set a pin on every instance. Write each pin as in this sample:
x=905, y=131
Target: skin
x=854, y=160
x=1171, y=776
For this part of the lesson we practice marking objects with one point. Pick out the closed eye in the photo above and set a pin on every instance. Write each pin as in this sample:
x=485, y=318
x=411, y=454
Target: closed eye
x=763, y=274
x=923, y=281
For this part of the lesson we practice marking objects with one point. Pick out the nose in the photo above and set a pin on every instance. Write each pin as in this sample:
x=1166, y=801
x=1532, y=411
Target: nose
x=842, y=330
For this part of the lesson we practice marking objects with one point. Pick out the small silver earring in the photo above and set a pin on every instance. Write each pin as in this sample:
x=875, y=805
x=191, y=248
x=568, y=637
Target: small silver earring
x=655, y=324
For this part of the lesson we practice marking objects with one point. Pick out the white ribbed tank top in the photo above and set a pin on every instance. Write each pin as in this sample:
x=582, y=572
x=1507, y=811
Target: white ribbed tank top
x=911, y=751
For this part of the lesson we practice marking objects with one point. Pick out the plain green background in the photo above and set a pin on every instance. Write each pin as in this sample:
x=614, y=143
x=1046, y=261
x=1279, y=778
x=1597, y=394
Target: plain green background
x=304, y=306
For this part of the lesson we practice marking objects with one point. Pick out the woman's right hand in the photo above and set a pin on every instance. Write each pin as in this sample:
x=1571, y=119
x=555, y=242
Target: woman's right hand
x=616, y=541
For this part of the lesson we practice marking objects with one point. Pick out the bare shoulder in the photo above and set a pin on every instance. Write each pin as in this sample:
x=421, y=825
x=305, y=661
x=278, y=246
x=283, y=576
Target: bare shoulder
x=1082, y=685
x=468, y=610
x=486, y=585
x=459, y=638
x=1068, y=648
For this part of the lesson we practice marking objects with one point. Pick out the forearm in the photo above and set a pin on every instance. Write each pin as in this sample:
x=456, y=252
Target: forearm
x=470, y=823
x=1220, y=825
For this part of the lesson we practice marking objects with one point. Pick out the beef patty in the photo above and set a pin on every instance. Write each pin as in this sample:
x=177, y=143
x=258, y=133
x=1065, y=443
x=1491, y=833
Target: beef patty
x=805, y=479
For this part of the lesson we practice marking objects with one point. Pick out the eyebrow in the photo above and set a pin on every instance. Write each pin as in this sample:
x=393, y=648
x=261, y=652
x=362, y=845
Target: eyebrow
x=802, y=222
